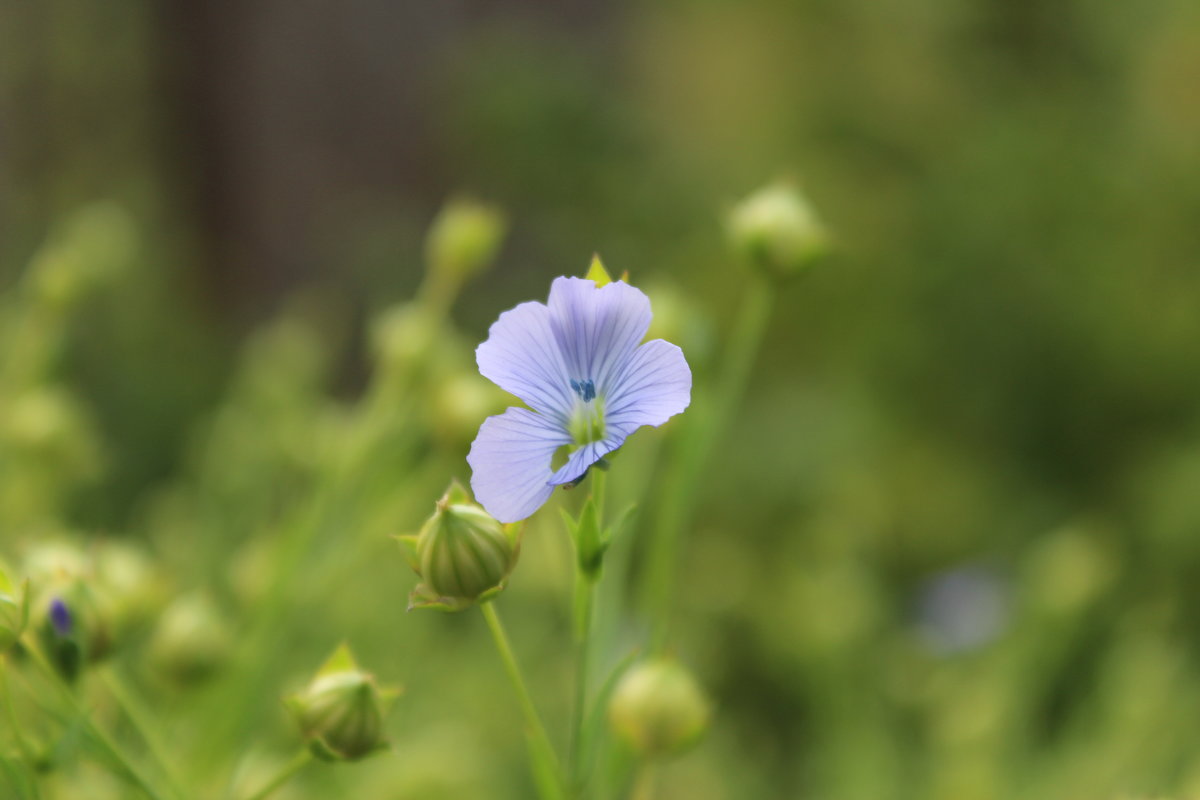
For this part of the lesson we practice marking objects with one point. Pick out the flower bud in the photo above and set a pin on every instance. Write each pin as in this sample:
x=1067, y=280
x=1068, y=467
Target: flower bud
x=71, y=611
x=70, y=631
x=95, y=246
x=462, y=554
x=191, y=641
x=14, y=610
x=341, y=711
x=464, y=238
x=658, y=709
x=403, y=337
x=131, y=586
x=457, y=404
x=777, y=231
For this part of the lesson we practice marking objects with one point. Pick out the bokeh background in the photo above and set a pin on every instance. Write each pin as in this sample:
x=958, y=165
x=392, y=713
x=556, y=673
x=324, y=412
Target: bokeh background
x=947, y=548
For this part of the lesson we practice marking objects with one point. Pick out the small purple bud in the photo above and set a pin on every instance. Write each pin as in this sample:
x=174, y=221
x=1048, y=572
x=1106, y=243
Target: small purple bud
x=60, y=617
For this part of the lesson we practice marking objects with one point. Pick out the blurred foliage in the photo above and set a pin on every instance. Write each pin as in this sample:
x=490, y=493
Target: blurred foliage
x=982, y=415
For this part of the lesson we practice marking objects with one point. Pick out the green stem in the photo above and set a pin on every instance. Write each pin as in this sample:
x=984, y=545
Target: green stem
x=27, y=751
x=585, y=590
x=123, y=763
x=705, y=428
x=382, y=431
x=585, y=599
x=643, y=783
x=138, y=718
x=547, y=774
x=285, y=774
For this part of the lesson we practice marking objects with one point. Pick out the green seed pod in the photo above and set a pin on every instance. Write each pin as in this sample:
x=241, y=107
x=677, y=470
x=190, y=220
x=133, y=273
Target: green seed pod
x=341, y=711
x=464, y=238
x=462, y=554
x=777, y=231
x=658, y=709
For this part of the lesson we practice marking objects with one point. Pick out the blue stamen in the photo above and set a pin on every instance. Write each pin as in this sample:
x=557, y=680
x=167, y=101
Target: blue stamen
x=60, y=617
x=585, y=389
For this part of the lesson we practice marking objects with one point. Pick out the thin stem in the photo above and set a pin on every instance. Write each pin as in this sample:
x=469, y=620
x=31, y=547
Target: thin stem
x=585, y=592
x=706, y=426
x=124, y=764
x=585, y=600
x=27, y=751
x=138, y=717
x=643, y=783
x=285, y=774
x=541, y=751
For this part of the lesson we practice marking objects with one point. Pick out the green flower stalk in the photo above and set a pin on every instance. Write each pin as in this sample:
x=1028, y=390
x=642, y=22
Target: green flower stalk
x=658, y=709
x=340, y=713
x=462, y=554
x=777, y=231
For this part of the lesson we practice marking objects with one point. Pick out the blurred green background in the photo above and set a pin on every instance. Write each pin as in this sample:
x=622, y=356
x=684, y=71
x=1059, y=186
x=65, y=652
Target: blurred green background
x=948, y=547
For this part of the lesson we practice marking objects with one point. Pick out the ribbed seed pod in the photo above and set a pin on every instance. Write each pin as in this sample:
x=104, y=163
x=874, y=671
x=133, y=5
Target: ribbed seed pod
x=462, y=554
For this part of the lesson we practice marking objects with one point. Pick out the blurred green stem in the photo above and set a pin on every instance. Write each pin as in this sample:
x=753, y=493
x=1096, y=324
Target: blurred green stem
x=705, y=427
x=138, y=718
x=285, y=774
x=23, y=745
x=547, y=775
x=643, y=783
x=585, y=598
x=105, y=742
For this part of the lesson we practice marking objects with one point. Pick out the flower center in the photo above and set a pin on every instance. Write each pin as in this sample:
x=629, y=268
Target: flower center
x=586, y=424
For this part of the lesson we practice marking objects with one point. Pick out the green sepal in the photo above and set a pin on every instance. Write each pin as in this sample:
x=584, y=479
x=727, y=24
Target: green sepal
x=323, y=752
x=597, y=273
x=341, y=660
x=408, y=543
x=612, y=530
x=514, y=531
x=589, y=540
x=456, y=494
x=422, y=597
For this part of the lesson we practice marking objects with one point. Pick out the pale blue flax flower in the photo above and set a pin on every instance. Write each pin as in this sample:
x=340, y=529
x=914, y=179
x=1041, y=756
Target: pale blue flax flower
x=579, y=364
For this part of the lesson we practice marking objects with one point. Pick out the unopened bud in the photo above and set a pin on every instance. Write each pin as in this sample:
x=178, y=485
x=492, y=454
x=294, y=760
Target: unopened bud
x=341, y=711
x=96, y=245
x=658, y=709
x=129, y=582
x=777, y=231
x=462, y=554
x=71, y=611
x=464, y=238
x=403, y=337
x=191, y=641
x=71, y=632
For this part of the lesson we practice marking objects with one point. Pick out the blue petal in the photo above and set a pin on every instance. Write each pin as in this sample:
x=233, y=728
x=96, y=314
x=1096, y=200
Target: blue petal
x=585, y=456
x=522, y=356
x=597, y=329
x=654, y=385
x=510, y=463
